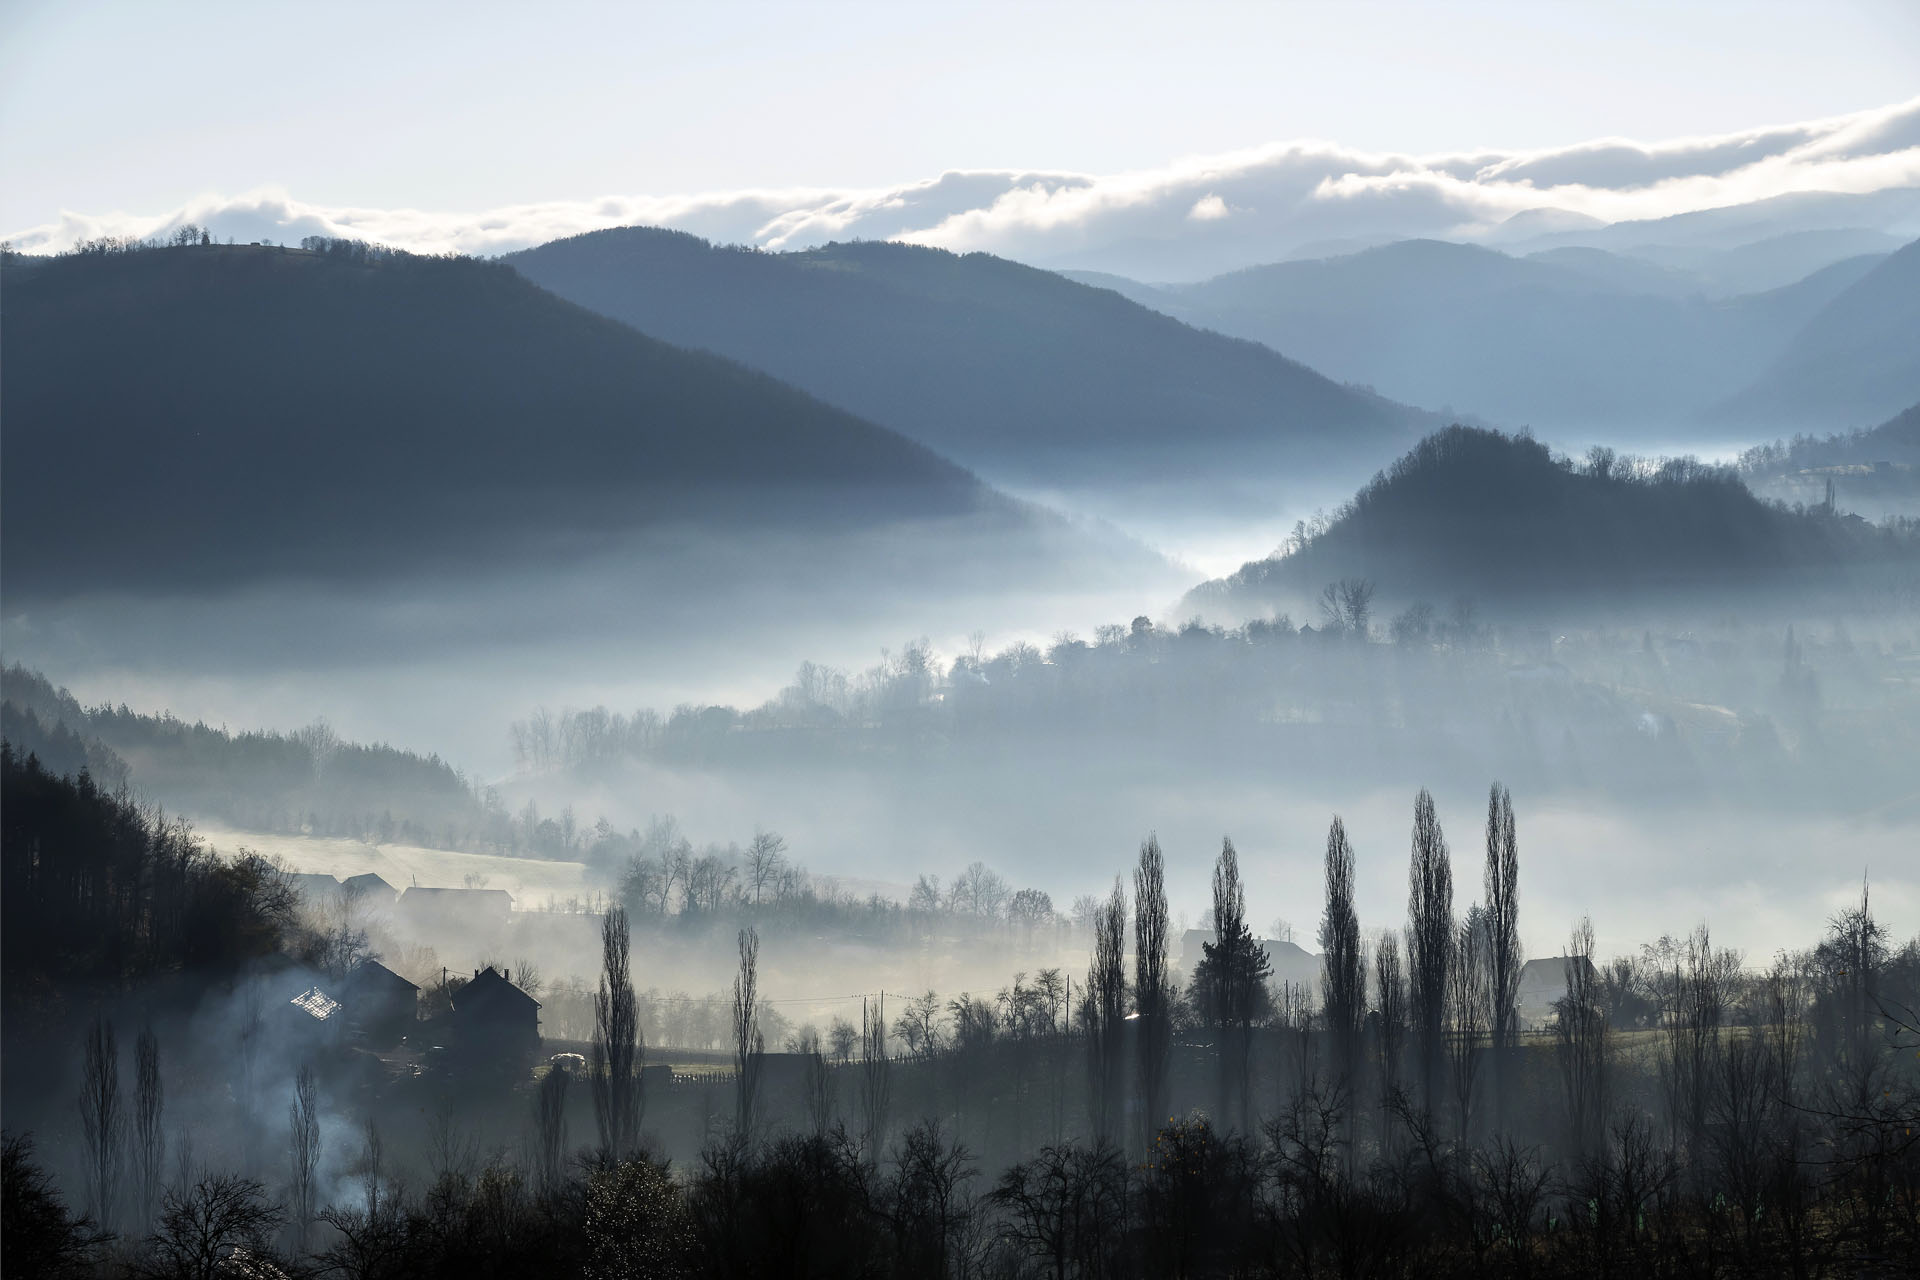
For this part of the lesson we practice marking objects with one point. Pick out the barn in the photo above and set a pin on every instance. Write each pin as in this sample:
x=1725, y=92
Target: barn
x=1543, y=983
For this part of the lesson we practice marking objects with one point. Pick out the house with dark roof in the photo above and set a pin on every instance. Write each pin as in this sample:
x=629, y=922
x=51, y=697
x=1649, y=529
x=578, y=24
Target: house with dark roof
x=315, y=887
x=494, y=1021
x=382, y=1007
x=371, y=888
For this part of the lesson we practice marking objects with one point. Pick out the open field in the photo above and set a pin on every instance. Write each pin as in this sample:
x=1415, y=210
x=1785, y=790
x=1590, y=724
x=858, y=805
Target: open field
x=533, y=882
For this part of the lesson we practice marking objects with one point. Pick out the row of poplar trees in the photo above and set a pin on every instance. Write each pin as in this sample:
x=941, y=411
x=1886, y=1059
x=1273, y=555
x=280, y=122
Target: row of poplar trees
x=1456, y=989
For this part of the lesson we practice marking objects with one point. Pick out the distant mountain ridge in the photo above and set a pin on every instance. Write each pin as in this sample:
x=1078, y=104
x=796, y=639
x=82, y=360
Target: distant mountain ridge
x=212, y=415
x=1480, y=514
x=1016, y=372
x=1572, y=339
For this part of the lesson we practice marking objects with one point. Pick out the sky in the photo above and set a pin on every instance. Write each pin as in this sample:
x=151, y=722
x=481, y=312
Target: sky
x=497, y=124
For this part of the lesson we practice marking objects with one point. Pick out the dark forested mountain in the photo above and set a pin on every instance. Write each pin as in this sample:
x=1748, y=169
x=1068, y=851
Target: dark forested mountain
x=1575, y=338
x=1856, y=360
x=1018, y=372
x=209, y=414
x=1479, y=514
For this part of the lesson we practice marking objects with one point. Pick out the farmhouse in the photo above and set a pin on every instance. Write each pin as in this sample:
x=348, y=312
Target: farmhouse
x=371, y=889
x=381, y=1006
x=495, y=1021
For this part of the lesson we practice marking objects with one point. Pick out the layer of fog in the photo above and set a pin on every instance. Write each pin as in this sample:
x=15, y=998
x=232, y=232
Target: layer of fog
x=1764, y=881
x=442, y=664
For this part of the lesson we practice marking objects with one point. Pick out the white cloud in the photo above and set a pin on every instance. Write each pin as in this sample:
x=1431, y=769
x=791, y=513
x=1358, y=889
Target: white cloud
x=1165, y=222
x=1208, y=208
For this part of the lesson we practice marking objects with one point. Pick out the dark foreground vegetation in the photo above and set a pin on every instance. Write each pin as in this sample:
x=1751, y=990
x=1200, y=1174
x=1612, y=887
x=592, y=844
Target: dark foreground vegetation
x=1429, y=1105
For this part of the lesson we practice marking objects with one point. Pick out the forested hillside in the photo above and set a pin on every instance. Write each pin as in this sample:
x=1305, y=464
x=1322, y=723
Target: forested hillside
x=206, y=414
x=1498, y=517
x=1015, y=371
x=308, y=781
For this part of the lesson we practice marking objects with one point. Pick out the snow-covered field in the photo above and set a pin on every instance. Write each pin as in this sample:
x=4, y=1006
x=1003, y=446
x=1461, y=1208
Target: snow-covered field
x=531, y=881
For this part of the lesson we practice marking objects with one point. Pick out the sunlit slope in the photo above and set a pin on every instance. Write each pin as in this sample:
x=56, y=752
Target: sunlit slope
x=1018, y=372
x=211, y=415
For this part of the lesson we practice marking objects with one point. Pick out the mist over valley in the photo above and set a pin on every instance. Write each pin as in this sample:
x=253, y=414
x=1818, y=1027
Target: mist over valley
x=1282, y=707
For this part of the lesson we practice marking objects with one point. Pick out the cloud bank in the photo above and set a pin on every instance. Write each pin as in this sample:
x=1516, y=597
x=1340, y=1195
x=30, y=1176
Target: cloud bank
x=1192, y=217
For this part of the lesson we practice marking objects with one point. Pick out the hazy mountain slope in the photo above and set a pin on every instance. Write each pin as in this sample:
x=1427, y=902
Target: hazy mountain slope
x=217, y=414
x=1484, y=515
x=1572, y=339
x=1782, y=220
x=1857, y=360
x=1771, y=263
x=1160, y=298
x=1015, y=371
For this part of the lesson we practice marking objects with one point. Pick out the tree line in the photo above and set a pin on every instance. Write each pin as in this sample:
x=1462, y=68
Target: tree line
x=1680, y=1113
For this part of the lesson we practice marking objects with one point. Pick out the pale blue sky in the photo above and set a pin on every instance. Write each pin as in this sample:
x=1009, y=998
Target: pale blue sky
x=140, y=107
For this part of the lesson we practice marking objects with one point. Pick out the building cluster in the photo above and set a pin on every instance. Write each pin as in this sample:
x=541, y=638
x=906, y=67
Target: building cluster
x=484, y=1022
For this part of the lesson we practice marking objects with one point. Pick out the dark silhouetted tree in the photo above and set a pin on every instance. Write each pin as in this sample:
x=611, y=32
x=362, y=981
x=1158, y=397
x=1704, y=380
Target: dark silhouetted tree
x=102, y=1120
x=749, y=1045
x=303, y=1160
x=617, y=1044
x=1580, y=1042
x=1502, y=889
x=1430, y=944
x=149, y=1138
x=1235, y=969
x=1154, y=1027
x=1344, y=976
x=1104, y=1021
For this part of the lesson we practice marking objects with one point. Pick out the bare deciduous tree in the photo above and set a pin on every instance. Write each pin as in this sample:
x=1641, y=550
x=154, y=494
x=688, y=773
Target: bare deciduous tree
x=876, y=1075
x=1106, y=1010
x=1430, y=943
x=1502, y=889
x=1696, y=996
x=617, y=1045
x=1391, y=1000
x=214, y=1227
x=819, y=1084
x=749, y=1046
x=101, y=1121
x=1580, y=1027
x=765, y=858
x=1344, y=976
x=303, y=1153
x=1467, y=1001
x=1154, y=1036
x=550, y=1128
x=149, y=1138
